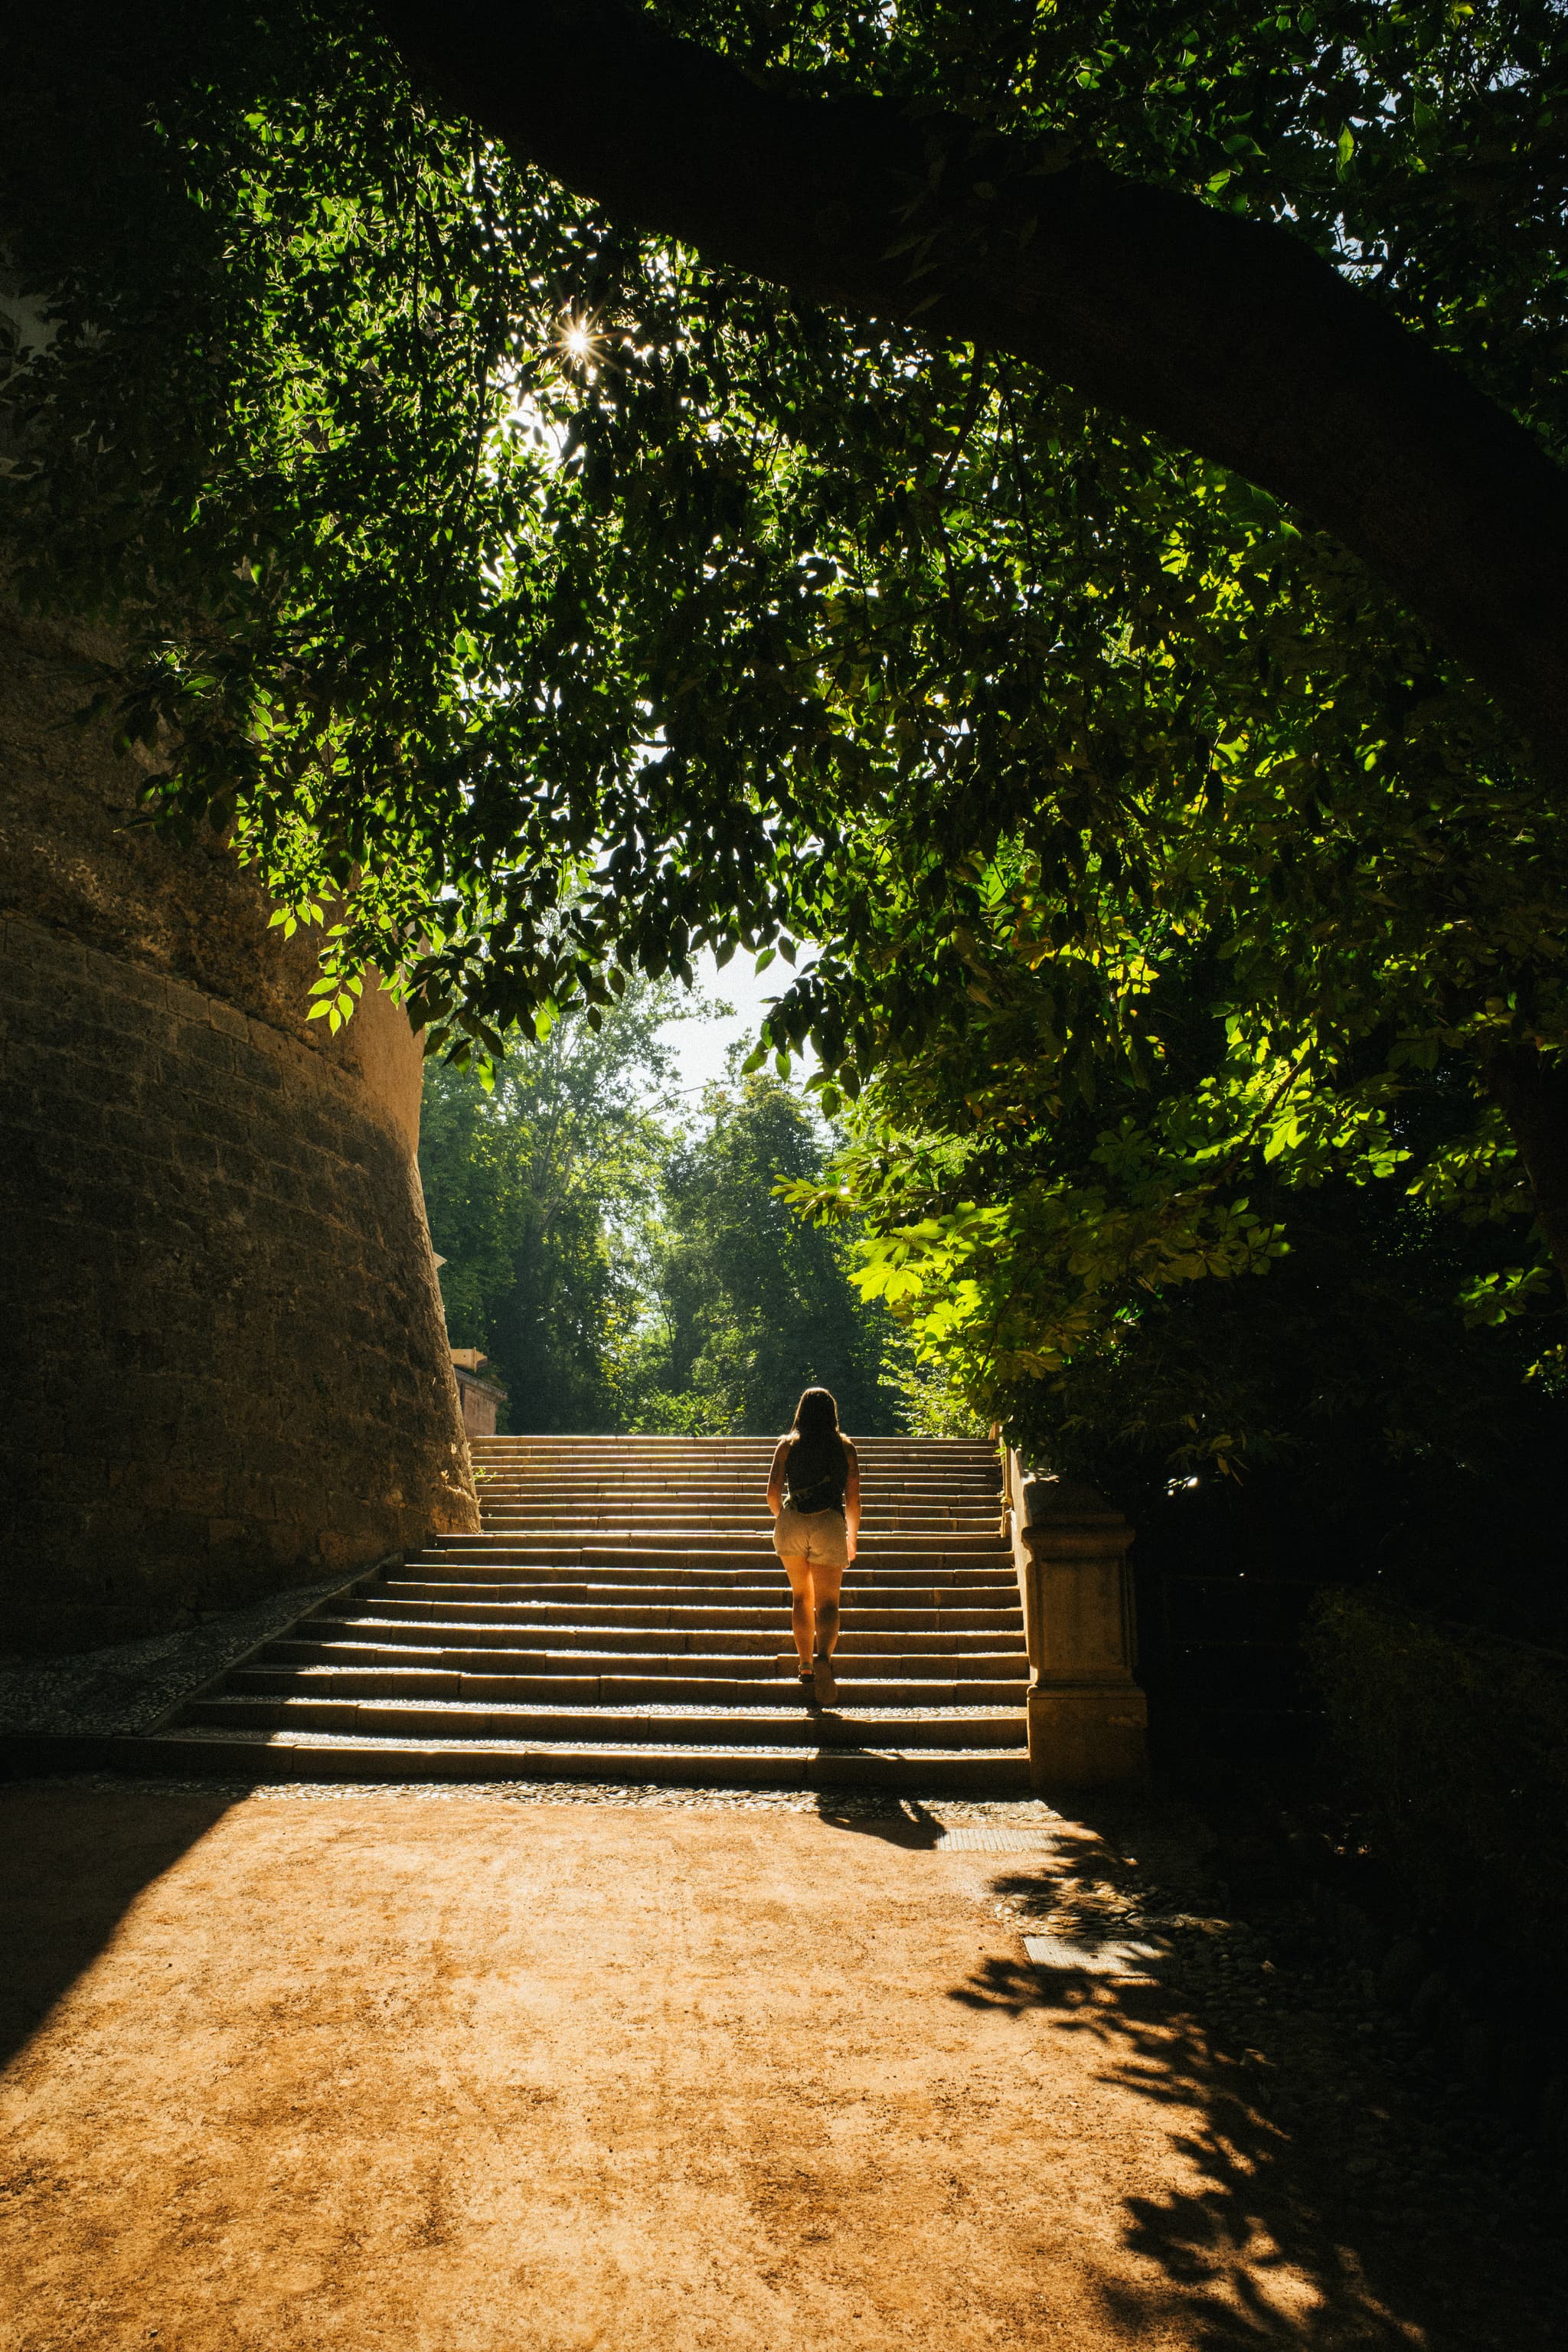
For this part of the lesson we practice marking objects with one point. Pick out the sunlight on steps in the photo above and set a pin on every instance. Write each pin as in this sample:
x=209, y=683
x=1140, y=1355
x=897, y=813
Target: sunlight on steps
x=621, y=1615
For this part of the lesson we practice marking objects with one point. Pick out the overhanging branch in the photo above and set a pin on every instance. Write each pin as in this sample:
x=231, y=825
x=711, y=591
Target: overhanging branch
x=1231, y=338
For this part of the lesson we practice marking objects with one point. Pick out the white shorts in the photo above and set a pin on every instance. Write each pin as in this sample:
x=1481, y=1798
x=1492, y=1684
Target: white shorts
x=820, y=1538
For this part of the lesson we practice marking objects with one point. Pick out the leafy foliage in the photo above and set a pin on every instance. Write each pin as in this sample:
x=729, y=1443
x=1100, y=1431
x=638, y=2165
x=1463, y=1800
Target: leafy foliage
x=717, y=625
x=1044, y=1252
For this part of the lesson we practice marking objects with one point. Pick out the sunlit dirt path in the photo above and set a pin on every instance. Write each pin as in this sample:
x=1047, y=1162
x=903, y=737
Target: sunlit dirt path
x=476, y=2076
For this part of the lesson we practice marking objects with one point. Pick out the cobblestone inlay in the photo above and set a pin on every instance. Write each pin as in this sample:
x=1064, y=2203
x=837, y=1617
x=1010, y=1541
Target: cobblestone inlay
x=984, y=1840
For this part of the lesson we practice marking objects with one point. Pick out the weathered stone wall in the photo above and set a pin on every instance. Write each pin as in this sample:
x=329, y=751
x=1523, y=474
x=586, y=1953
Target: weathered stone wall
x=225, y=1362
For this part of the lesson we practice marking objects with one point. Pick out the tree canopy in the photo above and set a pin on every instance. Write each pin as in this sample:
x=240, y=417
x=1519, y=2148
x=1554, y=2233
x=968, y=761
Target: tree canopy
x=755, y=1305
x=573, y=594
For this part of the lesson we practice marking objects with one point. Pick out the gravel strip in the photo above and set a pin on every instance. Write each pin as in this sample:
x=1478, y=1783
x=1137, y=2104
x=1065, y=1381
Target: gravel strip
x=105, y=1693
x=656, y=1711
x=1008, y=1812
x=360, y=1740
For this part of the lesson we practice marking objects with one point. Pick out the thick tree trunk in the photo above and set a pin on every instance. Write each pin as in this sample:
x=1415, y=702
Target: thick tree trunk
x=1532, y=1094
x=1231, y=338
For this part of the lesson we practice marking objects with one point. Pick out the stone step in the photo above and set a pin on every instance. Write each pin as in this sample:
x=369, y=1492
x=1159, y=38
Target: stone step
x=634, y=1568
x=761, y=1666
x=749, y=1522
x=946, y=1477
x=535, y=1579
x=691, y=1570
x=615, y=1685
x=925, y=1447
x=750, y=1481
x=759, y=1578
x=696, y=1456
x=417, y=1622
x=750, y=1500
x=567, y=1542
x=326, y=1756
x=739, y=1496
x=745, y=1481
x=730, y=1467
x=710, y=1551
x=701, y=1511
x=941, y=1495
x=741, y=1591
x=693, y=1616
x=722, y=1477
x=692, y=1725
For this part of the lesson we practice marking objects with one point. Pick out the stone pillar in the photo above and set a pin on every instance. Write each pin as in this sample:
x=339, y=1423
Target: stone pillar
x=1087, y=1717
x=222, y=1347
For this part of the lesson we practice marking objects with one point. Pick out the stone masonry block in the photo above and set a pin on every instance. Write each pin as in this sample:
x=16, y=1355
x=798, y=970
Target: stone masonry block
x=205, y=1052
x=229, y=1019
x=124, y=987
x=266, y=1059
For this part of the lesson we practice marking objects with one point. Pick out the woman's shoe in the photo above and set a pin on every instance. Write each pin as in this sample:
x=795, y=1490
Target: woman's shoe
x=808, y=1685
x=823, y=1684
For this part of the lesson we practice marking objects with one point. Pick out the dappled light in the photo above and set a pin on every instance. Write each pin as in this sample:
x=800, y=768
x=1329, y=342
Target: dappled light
x=1270, y=2244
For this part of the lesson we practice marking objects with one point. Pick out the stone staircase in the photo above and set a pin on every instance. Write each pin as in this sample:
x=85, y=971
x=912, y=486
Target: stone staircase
x=621, y=1616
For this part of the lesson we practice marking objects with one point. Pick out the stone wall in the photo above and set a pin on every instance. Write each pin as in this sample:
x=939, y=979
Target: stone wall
x=224, y=1362
x=483, y=1401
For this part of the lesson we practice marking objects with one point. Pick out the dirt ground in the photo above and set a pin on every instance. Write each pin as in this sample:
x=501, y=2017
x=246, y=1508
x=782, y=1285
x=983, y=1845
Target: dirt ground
x=476, y=2076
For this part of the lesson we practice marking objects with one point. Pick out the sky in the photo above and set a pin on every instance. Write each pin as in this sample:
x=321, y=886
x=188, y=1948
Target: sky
x=699, y=1047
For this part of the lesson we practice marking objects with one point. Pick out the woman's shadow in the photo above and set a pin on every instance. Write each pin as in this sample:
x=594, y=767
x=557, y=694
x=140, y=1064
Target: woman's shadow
x=897, y=1821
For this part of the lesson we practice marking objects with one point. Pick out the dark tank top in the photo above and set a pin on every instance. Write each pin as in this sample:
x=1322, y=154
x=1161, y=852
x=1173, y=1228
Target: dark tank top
x=818, y=1473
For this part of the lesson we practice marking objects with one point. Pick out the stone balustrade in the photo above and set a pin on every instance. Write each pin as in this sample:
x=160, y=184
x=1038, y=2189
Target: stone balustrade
x=1087, y=1717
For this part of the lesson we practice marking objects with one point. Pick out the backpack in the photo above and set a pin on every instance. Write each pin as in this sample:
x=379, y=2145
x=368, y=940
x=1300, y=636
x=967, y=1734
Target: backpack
x=816, y=1476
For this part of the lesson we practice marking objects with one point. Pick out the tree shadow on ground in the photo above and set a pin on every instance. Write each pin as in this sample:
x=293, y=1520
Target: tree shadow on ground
x=73, y=1861
x=1269, y=2243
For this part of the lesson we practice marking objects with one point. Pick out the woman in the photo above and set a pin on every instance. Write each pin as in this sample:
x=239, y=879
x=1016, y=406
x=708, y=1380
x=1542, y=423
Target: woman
x=814, y=1494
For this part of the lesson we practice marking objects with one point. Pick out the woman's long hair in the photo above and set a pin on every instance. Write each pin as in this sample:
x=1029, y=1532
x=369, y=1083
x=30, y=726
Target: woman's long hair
x=816, y=1415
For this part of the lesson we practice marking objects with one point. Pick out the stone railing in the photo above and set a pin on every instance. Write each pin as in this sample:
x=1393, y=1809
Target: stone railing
x=1087, y=1717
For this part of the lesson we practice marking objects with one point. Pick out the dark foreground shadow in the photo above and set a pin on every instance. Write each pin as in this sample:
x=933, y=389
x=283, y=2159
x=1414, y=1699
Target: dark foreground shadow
x=1277, y=2238
x=74, y=1857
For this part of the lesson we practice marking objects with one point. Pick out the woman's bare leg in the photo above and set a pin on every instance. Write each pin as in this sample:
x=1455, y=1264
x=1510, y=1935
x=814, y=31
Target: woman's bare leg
x=826, y=1584
x=802, y=1619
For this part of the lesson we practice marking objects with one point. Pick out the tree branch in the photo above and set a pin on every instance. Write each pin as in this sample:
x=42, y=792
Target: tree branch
x=1231, y=338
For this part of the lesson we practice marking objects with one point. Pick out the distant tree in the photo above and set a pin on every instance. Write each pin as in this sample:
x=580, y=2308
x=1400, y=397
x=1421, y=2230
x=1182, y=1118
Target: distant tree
x=541, y=1197
x=755, y=1305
